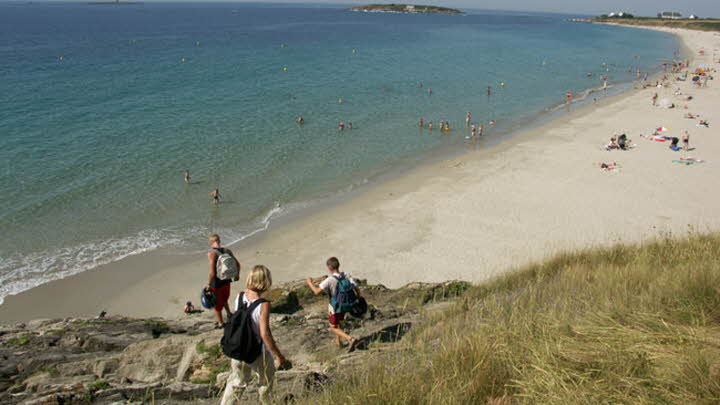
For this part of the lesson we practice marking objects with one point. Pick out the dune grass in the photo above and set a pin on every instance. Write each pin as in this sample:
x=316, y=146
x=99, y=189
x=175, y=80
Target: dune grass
x=625, y=324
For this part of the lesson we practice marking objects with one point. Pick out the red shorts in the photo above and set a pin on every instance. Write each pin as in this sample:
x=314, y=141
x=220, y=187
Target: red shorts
x=223, y=295
x=335, y=319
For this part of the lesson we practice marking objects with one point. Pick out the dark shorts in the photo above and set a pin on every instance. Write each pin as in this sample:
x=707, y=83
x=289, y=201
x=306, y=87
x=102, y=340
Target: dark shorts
x=223, y=295
x=335, y=319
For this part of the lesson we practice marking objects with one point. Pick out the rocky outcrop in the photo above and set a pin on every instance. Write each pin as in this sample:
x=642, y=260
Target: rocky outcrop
x=118, y=359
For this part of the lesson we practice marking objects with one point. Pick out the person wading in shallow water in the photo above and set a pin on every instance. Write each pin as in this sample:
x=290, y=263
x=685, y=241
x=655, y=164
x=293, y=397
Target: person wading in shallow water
x=216, y=196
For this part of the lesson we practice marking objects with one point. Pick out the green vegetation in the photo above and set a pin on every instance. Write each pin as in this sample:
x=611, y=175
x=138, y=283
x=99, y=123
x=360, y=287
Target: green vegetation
x=698, y=24
x=213, y=360
x=406, y=8
x=19, y=341
x=212, y=351
x=625, y=324
x=98, y=386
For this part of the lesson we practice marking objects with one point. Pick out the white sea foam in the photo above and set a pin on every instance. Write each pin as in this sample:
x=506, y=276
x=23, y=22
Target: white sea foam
x=19, y=273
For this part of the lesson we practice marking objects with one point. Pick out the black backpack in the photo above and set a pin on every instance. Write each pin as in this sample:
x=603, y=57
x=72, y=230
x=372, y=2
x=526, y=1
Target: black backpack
x=239, y=341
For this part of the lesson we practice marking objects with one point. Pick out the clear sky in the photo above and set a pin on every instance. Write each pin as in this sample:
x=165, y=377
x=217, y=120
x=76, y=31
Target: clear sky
x=702, y=8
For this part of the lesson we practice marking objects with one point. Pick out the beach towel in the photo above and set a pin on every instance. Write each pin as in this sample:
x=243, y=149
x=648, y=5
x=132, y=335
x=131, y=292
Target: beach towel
x=687, y=162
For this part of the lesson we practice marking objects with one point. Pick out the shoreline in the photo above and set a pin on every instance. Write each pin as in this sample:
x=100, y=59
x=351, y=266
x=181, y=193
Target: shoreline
x=425, y=237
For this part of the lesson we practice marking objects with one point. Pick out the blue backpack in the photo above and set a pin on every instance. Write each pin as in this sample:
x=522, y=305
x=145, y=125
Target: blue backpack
x=344, y=299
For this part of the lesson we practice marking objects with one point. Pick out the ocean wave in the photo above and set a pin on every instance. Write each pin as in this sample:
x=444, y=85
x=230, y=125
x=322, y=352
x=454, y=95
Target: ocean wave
x=20, y=273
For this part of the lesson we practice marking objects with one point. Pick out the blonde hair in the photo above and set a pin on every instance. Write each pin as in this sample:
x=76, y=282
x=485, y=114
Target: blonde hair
x=214, y=238
x=259, y=279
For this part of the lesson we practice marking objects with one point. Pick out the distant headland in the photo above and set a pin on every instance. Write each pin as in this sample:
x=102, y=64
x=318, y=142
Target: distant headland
x=405, y=8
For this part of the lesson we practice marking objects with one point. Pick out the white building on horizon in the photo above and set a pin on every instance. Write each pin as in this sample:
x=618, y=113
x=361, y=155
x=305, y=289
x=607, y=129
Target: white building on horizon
x=672, y=15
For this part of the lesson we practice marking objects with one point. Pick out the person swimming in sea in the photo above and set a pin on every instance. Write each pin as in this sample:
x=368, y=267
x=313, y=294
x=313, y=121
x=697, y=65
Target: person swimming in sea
x=300, y=120
x=341, y=126
x=467, y=120
x=187, y=176
x=422, y=121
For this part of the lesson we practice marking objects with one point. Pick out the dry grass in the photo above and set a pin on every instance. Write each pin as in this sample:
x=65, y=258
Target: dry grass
x=637, y=324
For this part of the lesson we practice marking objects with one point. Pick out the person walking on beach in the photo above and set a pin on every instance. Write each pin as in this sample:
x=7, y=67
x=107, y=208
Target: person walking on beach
x=216, y=196
x=187, y=176
x=335, y=284
x=654, y=99
x=220, y=259
x=480, y=130
x=686, y=141
x=467, y=120
x=473, y=131
x=258, y=282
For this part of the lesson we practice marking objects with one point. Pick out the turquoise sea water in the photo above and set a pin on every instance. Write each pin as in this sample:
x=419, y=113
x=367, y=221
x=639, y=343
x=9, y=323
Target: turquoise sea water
x=102, y=108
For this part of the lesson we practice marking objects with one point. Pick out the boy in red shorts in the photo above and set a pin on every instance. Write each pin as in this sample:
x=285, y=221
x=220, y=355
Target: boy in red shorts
x=328, y=285
x=220, y=287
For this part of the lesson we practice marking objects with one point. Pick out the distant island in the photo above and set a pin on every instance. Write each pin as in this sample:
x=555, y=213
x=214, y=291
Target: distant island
x=405, y=8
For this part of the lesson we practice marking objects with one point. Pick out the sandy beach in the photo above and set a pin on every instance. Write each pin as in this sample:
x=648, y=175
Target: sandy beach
x=470, y=217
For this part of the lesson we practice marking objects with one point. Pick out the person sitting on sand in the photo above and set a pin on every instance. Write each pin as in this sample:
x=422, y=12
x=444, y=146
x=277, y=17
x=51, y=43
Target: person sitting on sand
x=674, y=144
x=189, y=308
x=613, y=143
x=623, y=142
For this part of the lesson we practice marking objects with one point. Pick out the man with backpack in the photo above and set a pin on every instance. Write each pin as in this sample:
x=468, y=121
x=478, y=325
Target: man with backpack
x=344, y=294
x=224, y=269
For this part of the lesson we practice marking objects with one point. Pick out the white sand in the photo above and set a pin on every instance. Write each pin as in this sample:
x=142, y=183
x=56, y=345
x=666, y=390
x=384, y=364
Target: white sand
x=470, y=217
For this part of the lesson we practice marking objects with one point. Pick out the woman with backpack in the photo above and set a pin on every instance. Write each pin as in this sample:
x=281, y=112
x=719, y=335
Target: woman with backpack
x=250, y=307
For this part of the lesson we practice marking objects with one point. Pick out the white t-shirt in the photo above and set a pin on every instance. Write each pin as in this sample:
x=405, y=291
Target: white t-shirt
x=328, y=285
x=255, y=313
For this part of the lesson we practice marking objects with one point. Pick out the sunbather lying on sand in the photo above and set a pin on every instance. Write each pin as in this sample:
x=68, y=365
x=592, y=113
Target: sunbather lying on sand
x=690, y=116
x=608, y=166
x=703, y=123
